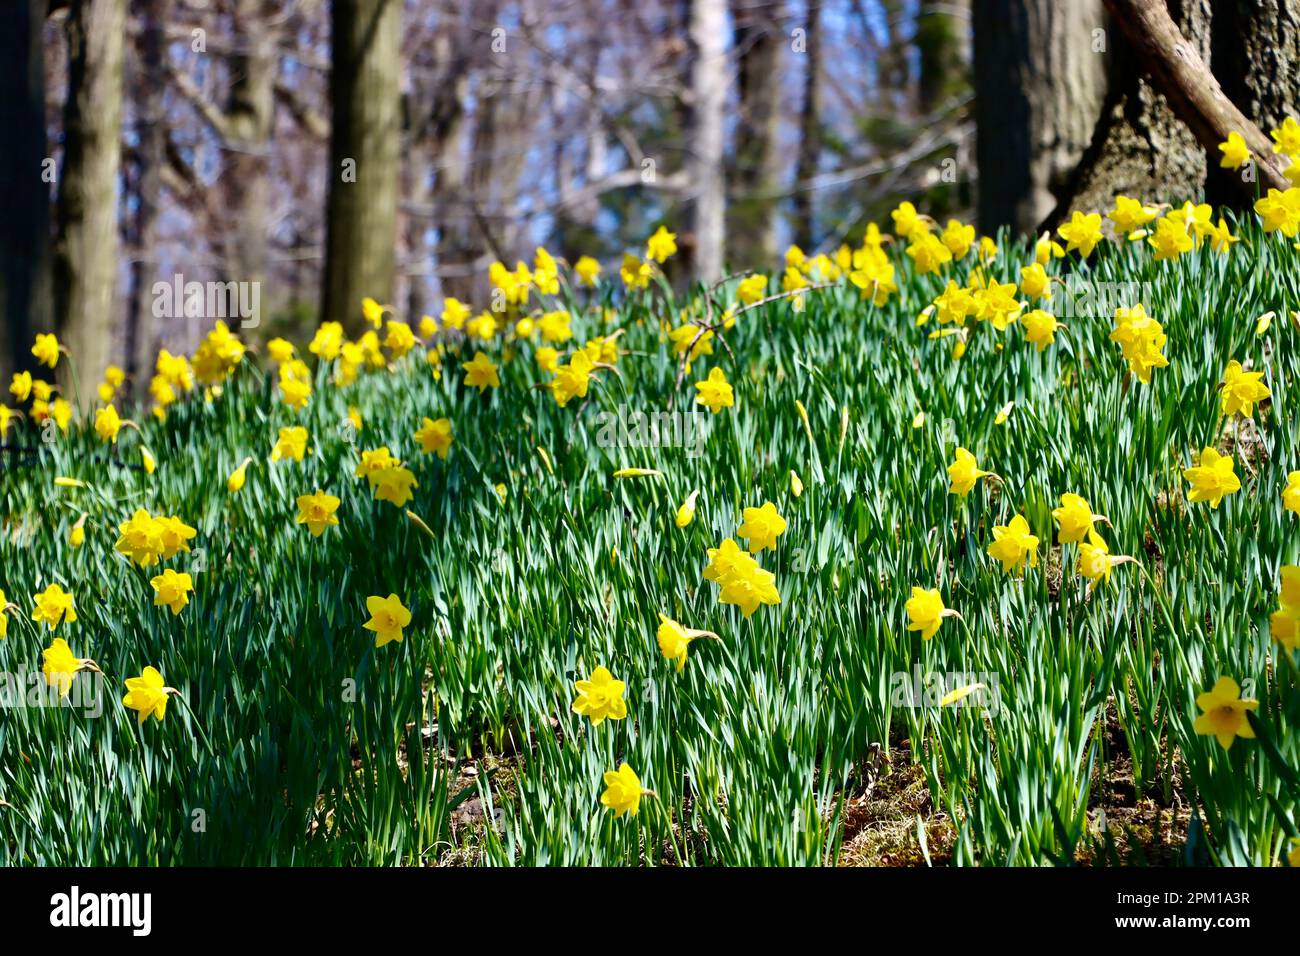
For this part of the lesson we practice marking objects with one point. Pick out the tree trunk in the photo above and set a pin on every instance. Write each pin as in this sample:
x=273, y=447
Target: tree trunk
x=1140, y=148
x=1255, y=50
x=24, y=192
x=759, y=42
x=85, y=260
x=1039, y=88
x=246, y=145
x=361, y=213
x=151, y=144
x=709, y=96
x=809, y=130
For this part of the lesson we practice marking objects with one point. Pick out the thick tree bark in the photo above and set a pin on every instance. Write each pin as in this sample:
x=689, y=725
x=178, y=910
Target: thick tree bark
x=151, y=146
x=1165, y=113
x=24, y=193
x=709, y=95
x=1256, y=58
x=1039, y=89
x=751, y=214
x=809, y=129
x=249, y=116
x=361, y=215
x=85, y=259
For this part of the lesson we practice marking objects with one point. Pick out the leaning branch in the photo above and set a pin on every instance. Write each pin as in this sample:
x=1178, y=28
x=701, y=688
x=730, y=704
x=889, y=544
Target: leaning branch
x=1177, y=71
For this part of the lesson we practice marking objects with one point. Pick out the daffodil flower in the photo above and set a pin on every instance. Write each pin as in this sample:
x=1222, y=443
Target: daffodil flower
x=599, y=697
x=1224, y=713
x=388, y=616
x=925, y=612
x=623, y=791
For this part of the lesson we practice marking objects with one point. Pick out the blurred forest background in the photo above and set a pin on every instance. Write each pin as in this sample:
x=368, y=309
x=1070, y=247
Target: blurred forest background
x=333, y=150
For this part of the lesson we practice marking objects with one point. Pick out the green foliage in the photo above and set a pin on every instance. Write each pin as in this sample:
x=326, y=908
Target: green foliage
x=754, y=746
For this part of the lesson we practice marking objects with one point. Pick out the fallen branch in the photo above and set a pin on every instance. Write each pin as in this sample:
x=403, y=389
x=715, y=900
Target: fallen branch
x=1177, y=71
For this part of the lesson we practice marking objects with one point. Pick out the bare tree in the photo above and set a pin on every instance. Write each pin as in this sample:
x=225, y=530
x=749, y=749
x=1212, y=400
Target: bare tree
x=810, y=121
x=149, y=89
x=364, y=181
x=85, y=257
x=1039, y=85
x=708, y=100
x=751, y=213
x=24, y=193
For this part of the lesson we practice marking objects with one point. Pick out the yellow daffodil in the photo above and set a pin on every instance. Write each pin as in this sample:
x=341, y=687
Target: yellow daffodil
x=1291, y=493
x=964, y=472
x=925, y=612
x=1212, y=478
x=1013, y=545
x=173, y=590
x=46, y=350
x=752, y=289
x=147, y=695
x=1082, y=232
x=1095, y=560
x=715, y=392
x=1240, y=390
x=316, y=511
x=1284, y=623
x=675, y=640
x=599, y=697
x=661, y=245
x=481, y=373
x=434, y=436
x=762, y=526
x=107, y=424
x=53, y=606
x=1286, y=138
x=1224, y=713
x=623, y=791
x=686, y=511
x=1235, y=151
x=572, y=379
x=292, y=443
x=588, y=270
x=60, y=666
x=387, y=618
x=237, y=477
x=1075, y=518
x=1040, y=328
x=1130, y=215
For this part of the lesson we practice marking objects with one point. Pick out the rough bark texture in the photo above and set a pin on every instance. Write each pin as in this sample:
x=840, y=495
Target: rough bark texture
x=1256, y=57
x=1140, y=147
x=85, y=259
x=809, y=129
x=24, y=195
x=751, y=214
x=1039, y=89
x=246, y=143
x=366, y=106
x=151, y=144
x=709, y=96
